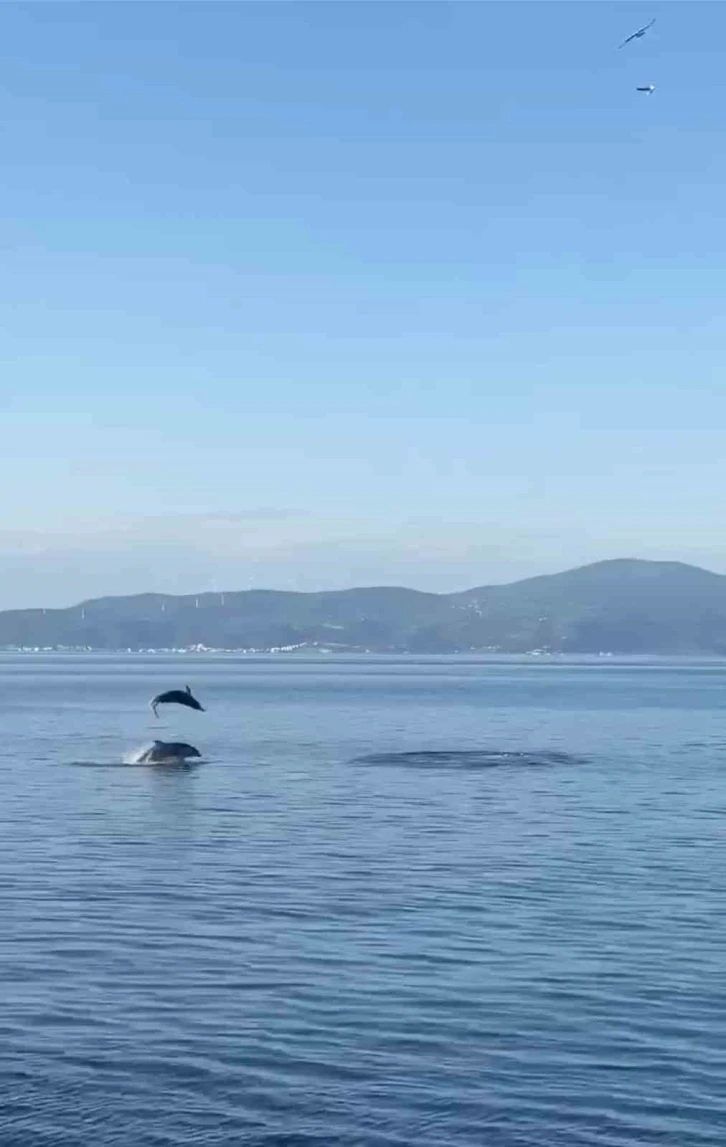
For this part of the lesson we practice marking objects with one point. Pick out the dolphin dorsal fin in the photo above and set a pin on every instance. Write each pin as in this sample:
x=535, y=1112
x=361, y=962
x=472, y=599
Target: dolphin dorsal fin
x=189, y=691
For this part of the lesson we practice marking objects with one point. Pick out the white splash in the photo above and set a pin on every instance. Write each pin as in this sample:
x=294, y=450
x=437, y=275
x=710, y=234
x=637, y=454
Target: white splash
x=133, y=756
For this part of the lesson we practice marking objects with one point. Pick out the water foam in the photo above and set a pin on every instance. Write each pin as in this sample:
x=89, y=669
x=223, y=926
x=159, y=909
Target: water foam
x=133, y=756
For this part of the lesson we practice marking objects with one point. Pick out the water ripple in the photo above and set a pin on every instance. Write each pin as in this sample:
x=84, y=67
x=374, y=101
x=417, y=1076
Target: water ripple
x=469, y=759
x=333, y=934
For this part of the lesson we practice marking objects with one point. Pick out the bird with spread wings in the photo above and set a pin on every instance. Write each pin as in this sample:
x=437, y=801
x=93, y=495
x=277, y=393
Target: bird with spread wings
x=637, y=35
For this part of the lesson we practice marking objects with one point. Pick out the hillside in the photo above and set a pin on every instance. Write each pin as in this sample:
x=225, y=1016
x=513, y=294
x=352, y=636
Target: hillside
x=622, y=606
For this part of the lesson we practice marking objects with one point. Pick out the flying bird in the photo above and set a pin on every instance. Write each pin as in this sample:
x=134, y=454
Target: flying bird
x=637, y=35
x=649, y=88
x=175, y=697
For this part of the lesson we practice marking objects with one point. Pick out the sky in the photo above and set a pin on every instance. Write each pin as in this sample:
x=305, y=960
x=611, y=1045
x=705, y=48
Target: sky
x=309, y=295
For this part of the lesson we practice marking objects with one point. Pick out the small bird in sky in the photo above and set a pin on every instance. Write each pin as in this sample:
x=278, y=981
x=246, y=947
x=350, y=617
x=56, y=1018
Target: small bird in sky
x=649, y=88
x=637, y=35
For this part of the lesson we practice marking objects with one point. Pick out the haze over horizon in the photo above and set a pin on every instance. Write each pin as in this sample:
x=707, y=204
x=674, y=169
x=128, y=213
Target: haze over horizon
x=313, y=296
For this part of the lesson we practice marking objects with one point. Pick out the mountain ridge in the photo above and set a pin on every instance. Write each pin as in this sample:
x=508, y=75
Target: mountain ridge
x=621, y=605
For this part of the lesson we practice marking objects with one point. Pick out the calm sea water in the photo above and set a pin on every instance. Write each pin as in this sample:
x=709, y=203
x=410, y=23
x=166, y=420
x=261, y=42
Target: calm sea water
x=402, y=901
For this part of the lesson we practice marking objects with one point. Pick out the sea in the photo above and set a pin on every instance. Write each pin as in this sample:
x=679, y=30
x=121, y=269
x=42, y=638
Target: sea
x=400, y=902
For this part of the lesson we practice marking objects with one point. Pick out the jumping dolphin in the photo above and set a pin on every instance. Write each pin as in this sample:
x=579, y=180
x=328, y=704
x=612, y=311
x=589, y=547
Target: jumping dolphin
x=175, y=697
x=637, y=35
x=649, y=88
x=167, y=752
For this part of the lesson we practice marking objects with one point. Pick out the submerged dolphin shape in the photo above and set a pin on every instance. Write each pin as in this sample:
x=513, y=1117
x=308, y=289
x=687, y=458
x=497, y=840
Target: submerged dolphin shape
x=168, y=752
x=175, y=697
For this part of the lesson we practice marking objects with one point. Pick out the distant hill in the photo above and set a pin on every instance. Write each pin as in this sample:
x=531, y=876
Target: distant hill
x=622, y=606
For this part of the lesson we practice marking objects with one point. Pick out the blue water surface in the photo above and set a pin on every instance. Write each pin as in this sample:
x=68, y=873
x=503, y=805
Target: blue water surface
x=401, y=901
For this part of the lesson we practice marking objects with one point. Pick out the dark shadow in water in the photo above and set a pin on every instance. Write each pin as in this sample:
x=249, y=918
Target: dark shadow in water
x=168, y=766
x=470, y=759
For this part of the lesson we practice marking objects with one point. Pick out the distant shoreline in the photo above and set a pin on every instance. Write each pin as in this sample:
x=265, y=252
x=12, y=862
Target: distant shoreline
x=620, y=607
x=526, y=657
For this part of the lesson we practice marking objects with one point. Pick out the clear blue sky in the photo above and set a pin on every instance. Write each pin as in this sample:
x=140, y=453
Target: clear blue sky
x=310, y=294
